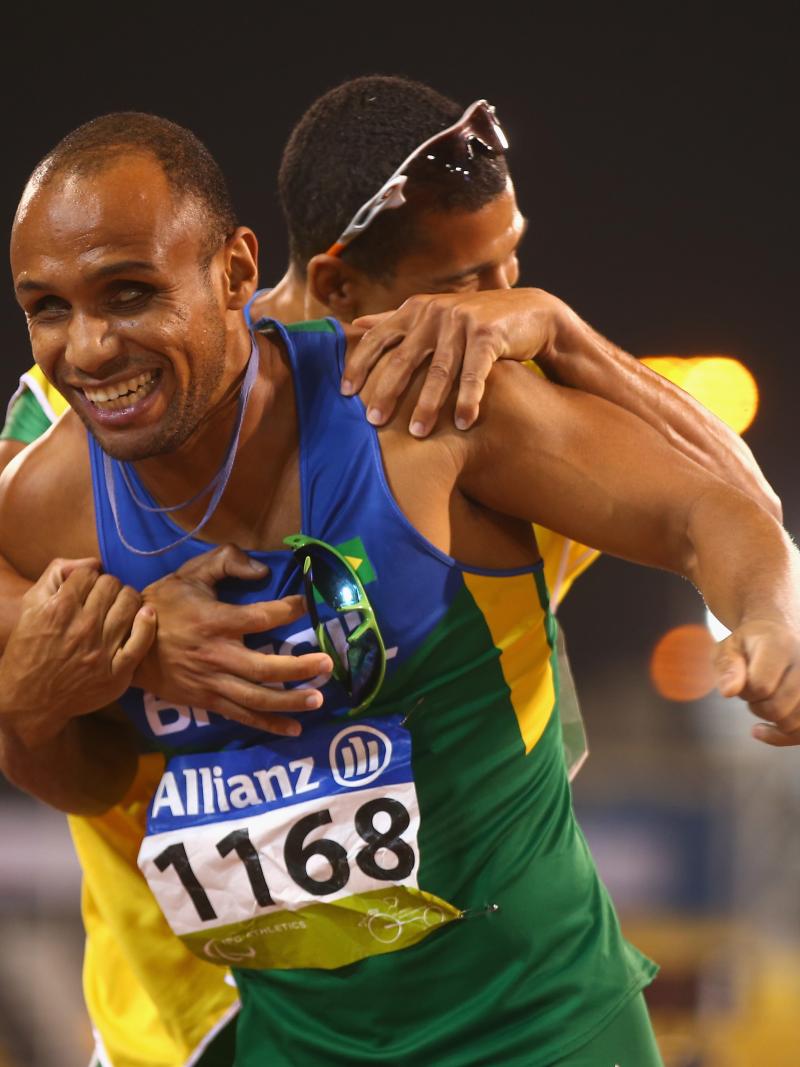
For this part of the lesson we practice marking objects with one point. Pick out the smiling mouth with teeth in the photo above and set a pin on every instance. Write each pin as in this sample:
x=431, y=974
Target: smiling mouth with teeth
x=122, y=394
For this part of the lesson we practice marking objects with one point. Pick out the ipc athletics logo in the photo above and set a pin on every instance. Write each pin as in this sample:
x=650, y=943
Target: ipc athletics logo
x=358, y=755
x=215, y=951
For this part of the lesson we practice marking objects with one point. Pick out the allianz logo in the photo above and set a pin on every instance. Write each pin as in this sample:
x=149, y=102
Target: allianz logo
x=358, y=755
x=209, y=791
x=165, y=717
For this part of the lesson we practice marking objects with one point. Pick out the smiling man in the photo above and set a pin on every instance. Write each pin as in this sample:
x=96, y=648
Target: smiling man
x=458, y=831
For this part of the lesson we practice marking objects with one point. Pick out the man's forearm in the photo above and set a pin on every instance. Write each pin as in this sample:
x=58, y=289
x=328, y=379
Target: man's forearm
x=84, y=770
x=743, y=562
x=585, y=360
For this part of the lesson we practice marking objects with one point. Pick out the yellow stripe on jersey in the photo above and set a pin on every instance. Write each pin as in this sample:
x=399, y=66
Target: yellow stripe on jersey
x=564, y=561
x=519, y=628
x=51, y=401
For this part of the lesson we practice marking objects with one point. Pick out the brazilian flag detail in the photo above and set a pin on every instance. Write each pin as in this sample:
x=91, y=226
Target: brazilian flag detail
x=356, y=555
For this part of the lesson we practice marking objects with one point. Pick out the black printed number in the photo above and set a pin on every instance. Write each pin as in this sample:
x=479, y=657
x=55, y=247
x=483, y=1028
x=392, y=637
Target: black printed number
x=297, y=856
x=388, y=840
x=175, y=856
x=240, y=843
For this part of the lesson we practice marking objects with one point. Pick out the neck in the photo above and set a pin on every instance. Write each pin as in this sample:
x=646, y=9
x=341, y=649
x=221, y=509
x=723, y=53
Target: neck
x=285, y=302
x=184, y=472
x=290, y=300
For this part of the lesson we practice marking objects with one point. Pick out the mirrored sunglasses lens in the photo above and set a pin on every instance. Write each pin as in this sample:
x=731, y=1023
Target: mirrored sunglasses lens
x=365, y=657
x=487, y=129
x=455, y=152
x=336, y=648
x=333, y=581
x=351, y=639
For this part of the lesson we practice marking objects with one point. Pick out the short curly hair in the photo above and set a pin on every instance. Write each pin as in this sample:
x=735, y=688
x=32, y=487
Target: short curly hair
x=344, y=148
x=189, y=167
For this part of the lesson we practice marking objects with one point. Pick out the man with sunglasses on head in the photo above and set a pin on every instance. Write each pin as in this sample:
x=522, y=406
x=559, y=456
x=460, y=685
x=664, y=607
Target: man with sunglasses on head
x=406, y=886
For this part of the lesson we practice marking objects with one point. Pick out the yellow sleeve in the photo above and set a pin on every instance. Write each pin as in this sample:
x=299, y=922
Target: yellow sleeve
x=150, y=1000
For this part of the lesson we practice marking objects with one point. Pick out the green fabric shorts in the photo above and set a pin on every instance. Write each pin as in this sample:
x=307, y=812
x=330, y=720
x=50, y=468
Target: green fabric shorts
x=627, y=1041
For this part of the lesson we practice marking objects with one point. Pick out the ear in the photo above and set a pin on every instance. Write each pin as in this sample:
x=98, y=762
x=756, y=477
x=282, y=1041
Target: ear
x=335, y=285
x=241, y=267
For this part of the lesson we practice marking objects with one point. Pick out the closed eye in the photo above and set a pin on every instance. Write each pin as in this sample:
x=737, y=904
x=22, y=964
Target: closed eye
x=127, y=296
x=49, y=307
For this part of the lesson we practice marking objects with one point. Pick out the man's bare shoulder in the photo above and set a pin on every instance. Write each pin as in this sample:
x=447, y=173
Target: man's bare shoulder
x=514, y=396
x=522, y=409
x=46, y=507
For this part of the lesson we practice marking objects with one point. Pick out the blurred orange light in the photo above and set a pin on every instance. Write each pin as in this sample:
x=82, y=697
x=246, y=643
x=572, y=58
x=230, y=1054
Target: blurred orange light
x=680, y=666
x=720, y=383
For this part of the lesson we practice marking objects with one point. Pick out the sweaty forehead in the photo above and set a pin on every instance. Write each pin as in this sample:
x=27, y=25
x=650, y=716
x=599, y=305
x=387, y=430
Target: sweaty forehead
x=452, y=243
x=127, y=206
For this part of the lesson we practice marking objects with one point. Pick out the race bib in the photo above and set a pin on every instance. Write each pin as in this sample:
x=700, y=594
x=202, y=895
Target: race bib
x=299, y=853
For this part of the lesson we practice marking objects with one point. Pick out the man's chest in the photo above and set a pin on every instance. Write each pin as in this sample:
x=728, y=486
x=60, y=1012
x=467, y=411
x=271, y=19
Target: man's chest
x=262, y=509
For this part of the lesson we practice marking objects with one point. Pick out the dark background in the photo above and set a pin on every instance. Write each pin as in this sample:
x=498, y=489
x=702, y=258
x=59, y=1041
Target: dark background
x=657, y=166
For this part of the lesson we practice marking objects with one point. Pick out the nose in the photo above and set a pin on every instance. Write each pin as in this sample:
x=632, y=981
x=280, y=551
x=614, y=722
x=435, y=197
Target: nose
x=90, y=343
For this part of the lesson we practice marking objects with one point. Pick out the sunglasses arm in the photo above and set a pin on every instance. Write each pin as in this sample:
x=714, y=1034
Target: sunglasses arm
x=390, y=195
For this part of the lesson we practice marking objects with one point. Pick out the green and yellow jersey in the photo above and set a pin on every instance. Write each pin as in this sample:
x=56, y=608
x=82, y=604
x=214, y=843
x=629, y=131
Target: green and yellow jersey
x=410, y=885
x=140, y=1013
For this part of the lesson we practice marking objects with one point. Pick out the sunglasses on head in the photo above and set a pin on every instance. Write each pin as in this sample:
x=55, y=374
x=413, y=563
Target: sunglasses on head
x=359, y=658
x=451, y=149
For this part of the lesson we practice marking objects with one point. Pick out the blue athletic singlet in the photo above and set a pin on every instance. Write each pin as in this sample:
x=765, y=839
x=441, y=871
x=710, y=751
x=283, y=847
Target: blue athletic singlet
x=409, y=886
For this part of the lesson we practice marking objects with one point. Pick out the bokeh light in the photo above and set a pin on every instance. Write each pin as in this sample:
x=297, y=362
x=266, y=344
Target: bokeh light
x=680, y=666
x=721, y=383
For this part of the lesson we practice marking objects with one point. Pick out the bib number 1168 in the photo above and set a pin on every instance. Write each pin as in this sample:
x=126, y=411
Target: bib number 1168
x=298, y=854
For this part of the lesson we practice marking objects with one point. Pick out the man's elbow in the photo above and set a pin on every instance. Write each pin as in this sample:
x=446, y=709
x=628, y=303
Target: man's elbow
x=772, y=504
x=71, y=800
x=64, y=775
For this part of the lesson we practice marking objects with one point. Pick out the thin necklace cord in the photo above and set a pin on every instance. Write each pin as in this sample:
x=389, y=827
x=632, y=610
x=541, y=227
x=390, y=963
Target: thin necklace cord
x=218, y=483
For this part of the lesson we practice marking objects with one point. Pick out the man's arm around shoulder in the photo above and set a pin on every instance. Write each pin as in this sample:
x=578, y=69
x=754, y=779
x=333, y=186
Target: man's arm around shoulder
x=73, y=651
x=602, y=476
